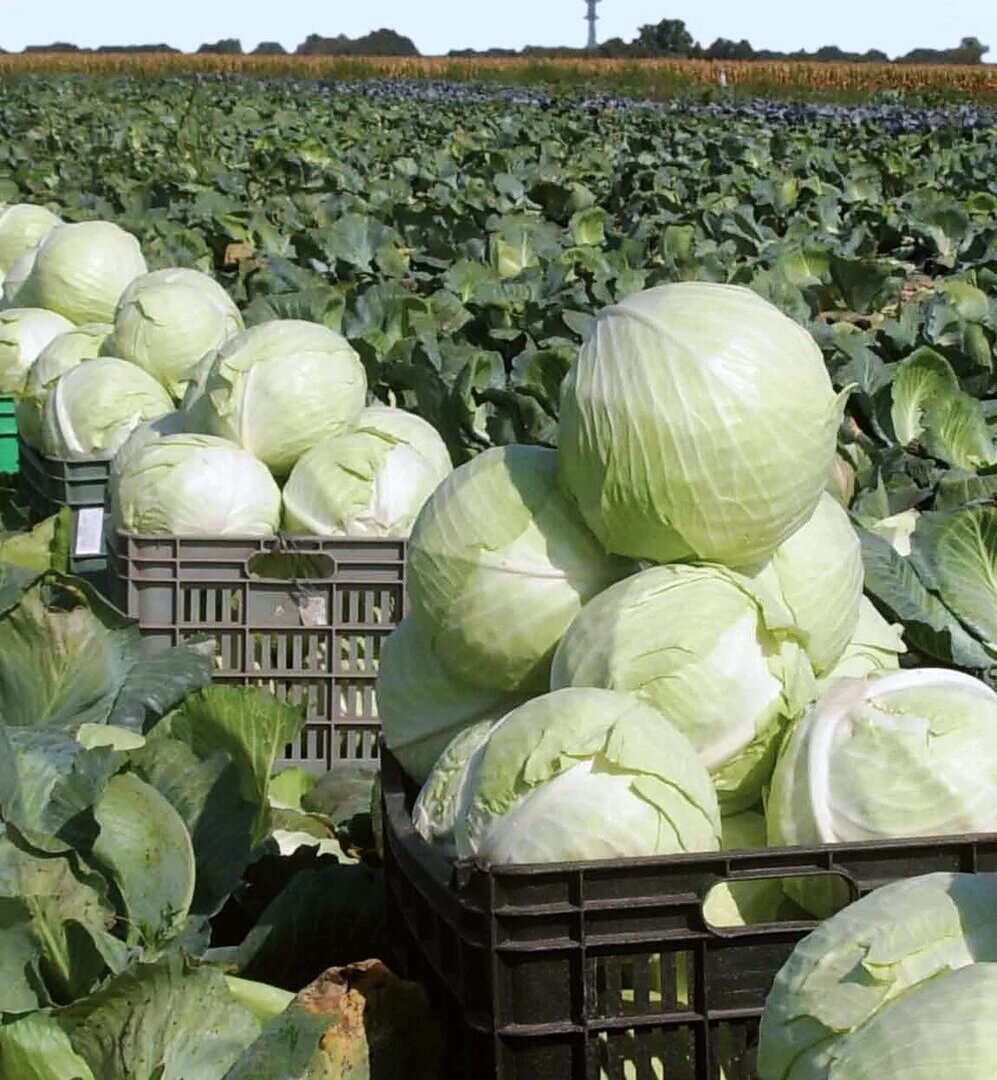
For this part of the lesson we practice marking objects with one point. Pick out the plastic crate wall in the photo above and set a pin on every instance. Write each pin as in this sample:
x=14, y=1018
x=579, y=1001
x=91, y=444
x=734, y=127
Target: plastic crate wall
x=313, y=641
x=607, y=970
x=8, y=435
x=49, y=484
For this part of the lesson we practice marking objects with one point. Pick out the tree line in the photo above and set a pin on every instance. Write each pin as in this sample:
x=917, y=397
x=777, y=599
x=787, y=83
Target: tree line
x=669, y=38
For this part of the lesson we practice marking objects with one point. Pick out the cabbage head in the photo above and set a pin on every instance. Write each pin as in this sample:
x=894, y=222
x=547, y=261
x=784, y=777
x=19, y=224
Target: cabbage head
x=280, y=388
x=583, y=774
x=167, y=321
x=716, y=656
x=59, y=355
x=902, y=983
x=499, y=563
x=698, y=421
x=14, y=292
x=908, y=753
x=81, y=270
x=876, y=646
x=193, y=485
x=371, y=481
x=817, y=574
x=434, y=815
x=422, y=706
x=93, y=408
x=22, y=226
x=24, y=332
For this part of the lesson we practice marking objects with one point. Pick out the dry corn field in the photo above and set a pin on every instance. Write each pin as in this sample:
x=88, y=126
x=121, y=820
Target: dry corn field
x=654, y=78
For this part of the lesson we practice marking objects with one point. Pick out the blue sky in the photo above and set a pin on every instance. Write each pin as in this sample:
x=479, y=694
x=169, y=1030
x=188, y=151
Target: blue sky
x=439, y=25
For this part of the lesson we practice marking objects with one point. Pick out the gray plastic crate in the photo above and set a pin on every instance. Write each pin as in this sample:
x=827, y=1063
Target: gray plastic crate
x=302, y=617
x=49, y=484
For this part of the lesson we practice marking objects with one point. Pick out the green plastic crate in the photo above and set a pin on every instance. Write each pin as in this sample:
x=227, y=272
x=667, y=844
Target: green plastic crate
x=8, y=435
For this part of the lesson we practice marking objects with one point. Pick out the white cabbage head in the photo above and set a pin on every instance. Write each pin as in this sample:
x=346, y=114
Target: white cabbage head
x=716, y=656
x=434, y=814
x=22, y=226
x=697, y=420
x=902, y=983
x=192, y=485
x=907, y=753
x=278, y=389
x=422, y=706
x=81, y=270
x=14, y=292
x=876, y=646
x=817, y=574
x=583, y=774
x=93, y=408
x=169, y=320
x=371, y=481
x=499, y=563
x=59, y=355
x=24, y=332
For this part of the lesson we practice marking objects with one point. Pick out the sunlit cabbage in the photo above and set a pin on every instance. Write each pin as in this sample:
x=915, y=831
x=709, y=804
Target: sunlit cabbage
x=422, y=706
x=817, y=575
x=499, y=564
x=585, y=774
x=909, y=753
x=59, y=355
x=280, y=388
x=81, y=270
x=698, y=419
x=93, y=408
x=876, y=646
x=24, y=332
x=194, y=485
x=713, y=654
x=746, y=903
x=434, y=814
x=902, y=983
x=22, y=226
x=167, y=321
x=371, y=481
x=14, y=292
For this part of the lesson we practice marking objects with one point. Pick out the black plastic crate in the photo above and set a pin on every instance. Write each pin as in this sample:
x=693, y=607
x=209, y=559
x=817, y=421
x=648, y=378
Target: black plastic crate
x=49, y=484
x=302, y=617
x=608, y=970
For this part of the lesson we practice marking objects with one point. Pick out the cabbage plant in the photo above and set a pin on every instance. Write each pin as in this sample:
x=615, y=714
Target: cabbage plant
x=81, y=270
x=902, y=983
x=817, y=575
x=24, y=332
x=93, y=408
x=193, y=485
x=697, y=420
x=167, y=321
x=715, y=655
x=371, y=481
x=908, y=753
x=499, y=564
x=278, y=389
x=584, y=774
x=59, y=355
x=22, y=226
x=422, y=706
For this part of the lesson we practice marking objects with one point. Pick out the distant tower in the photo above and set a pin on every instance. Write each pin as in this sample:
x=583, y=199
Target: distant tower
x=591, y=18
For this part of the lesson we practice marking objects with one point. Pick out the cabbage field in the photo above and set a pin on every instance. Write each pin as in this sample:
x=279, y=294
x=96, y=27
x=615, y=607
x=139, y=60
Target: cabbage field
x=703, y=556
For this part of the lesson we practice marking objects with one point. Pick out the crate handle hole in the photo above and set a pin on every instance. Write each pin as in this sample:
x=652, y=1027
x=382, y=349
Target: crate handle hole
x=769, y=898
x=291, y=565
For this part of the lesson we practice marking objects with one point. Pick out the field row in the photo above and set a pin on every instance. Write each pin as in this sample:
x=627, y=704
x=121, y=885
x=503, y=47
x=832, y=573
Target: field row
x=653, y=79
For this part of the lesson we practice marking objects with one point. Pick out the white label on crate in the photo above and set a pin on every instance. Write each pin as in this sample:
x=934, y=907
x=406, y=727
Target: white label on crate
x=89, y=531
x=314, y=611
